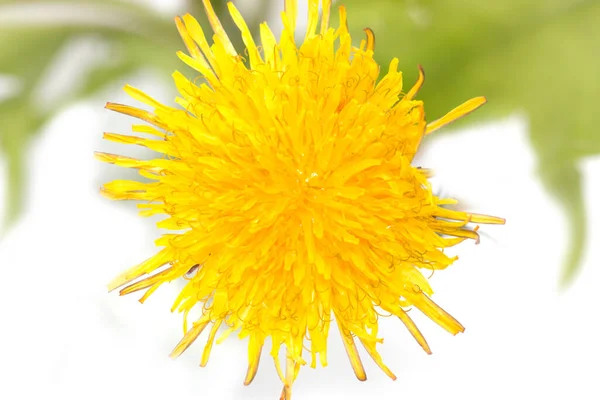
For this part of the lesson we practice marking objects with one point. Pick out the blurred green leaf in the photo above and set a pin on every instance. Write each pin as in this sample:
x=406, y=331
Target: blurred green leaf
x=541, y=56
x=33, y=33
x=21, y=57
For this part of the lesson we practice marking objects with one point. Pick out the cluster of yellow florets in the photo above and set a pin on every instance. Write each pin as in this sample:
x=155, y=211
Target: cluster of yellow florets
x=289, y=172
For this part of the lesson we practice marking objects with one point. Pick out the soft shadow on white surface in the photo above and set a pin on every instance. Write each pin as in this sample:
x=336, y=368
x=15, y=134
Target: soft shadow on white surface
x=63, y=336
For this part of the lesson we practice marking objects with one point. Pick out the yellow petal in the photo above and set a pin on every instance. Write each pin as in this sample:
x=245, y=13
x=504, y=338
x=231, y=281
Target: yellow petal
x=254, y=360
x=209, y=343
x=269, y=45
x=414, y=330
x=352, y=353
x=187, y=39
x=460, y=111
x=143, y=97
x=486, y=219
x=370, y=347
x=313, y=19
x=326, y=16
x=136, y=113
x=437, y=314
x=417, y=86
x=146, y=282
x=126, y=162
x=189, y=338
x=291, y=13
x=151, y=264
x=215, y=23
x=197, y=34
x=255, y=58
x=370, y=39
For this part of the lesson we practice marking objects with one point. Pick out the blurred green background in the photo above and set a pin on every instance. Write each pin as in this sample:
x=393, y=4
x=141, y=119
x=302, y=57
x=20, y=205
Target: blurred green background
x=539, y=57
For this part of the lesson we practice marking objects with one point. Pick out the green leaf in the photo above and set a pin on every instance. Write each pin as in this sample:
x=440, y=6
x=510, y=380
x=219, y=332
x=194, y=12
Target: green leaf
x=20, y=57
x=29, y=43
x=17, y=122
x=541, y=56
x=26, y=50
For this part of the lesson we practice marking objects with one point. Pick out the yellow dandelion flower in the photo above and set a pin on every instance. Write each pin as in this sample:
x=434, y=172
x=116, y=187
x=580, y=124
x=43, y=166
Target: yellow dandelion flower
x=287, y=177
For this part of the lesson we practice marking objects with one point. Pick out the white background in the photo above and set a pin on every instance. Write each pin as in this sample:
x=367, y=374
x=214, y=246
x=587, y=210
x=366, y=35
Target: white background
x=63, y=336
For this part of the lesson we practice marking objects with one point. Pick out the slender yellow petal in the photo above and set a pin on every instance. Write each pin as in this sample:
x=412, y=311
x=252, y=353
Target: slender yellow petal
x=343, y=15
x=189, y=338
x=417, y=86
x=269, y=45
x=156, y=145
x=136, y=113
x=486, y=219
x=290, y=367
x=466, y=108
x=291, y=13
x=215, y=23
x=197, y=34
x=370, y=39
x=150, y=290
x=352, y=353
x=326, y=16
x=468, y=217
x=127, y=162
x=278, y=368
x=146, y=267
x=437, y=314
x=143, y=97
x=313, y=18
x=209, y=343
x=194, y=50
x=187, y=39
x=255, y=58
x=414, y=331
x=149, y=130
x=145, y=283
x=370, y=347
x=201, y=67
x=254, y=359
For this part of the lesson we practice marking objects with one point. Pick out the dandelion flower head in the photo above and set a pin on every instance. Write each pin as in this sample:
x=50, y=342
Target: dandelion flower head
x=286, y=177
